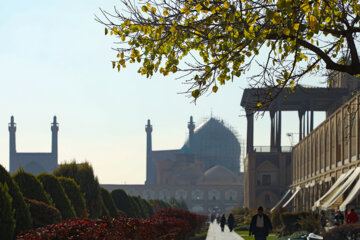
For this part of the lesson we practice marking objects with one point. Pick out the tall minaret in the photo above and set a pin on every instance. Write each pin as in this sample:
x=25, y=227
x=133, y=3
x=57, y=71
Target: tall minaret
x=191, y=126
x=12, y=146
x=54, y=138
x=150, y=178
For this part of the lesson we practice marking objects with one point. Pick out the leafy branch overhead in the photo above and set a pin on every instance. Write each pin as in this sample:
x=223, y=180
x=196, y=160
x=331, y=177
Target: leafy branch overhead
x=219, y=40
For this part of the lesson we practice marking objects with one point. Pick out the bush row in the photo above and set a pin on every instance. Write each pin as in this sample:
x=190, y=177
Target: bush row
x=166, y=225
x=74, y=191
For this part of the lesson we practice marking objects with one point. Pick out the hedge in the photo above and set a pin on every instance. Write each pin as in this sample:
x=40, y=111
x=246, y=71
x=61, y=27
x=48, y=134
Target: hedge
x=123, y=203
x=31, y=187
x=83, y=175
x=108, y=202
x=72, y=190
x=43, y=214
x=22, y=212
x=7, y=220
x=57, y=193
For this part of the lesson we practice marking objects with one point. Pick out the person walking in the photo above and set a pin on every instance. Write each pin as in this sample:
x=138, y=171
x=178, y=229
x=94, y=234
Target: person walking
x=339, y=218
x=222, y=222
x=260, y=225
x=231, y=222
x=352, y=217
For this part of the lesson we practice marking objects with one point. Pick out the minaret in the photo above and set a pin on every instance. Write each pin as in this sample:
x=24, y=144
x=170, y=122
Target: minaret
x=191, y=127
x=150, y=178
x=12, y=145
x=54, y=138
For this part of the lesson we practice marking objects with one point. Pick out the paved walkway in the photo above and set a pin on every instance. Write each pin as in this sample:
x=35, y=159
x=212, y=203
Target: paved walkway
x=215, y=233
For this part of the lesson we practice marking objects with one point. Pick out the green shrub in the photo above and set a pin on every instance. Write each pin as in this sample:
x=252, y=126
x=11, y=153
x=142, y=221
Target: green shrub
x=276, y=218
x=136, y=206
x=297, y=221
x=43, y=214
x=72, y=190
x=347, y=231
x=310, y=222
x=31, y=187
x=83, y=175
x=57, y=193
x=7, y=221
x=22, y=212
x=108, y=202
x=123, y=202
x=158, y=204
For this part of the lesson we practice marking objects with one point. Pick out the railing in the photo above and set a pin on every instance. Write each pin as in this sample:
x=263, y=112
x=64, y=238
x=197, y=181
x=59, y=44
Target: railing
x=272, y=149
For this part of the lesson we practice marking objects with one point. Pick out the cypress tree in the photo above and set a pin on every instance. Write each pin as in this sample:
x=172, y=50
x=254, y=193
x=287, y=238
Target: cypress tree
x=57, y=193
x=22, y=212
x=31, y=187
x=72, y=190
x=108, y=202
x=7, y=220
x=123, y=202
x=83, y=175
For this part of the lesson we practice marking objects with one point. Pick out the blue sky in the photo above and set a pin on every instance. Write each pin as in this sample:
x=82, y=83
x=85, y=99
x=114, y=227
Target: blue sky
x=55, y=60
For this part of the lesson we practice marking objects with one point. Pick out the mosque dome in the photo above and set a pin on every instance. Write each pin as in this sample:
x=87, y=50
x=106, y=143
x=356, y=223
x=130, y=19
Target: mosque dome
x=218, y=175
x=215, y=144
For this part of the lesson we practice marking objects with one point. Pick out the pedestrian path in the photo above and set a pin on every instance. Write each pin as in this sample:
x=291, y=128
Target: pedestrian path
x=215, y=233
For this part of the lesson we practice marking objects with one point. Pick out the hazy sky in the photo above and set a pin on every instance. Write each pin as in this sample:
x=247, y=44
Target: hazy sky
x=55, y=60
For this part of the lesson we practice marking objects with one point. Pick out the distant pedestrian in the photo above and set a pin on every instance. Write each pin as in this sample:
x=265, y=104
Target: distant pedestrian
x=260, y=225
x=212, y=218
x=322, y=219
x=222, y=222
x=352, y=217
x=339, y=218
x=231, y=222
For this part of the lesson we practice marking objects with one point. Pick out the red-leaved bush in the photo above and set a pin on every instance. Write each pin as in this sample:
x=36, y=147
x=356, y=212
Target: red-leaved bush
x=165, y=225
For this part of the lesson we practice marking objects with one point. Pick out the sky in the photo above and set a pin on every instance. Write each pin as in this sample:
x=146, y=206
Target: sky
x=56, y=60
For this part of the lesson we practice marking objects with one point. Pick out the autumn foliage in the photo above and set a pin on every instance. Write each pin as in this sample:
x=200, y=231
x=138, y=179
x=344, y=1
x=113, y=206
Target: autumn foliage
x=166, y=225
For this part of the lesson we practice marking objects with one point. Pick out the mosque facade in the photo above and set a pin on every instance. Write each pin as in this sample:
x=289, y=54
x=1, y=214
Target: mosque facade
x=33, y=162
x=204, y=172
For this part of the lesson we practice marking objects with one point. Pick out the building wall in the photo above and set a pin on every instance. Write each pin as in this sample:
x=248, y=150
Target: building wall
x=199, y=198
x=267, y=177
x=327, y=152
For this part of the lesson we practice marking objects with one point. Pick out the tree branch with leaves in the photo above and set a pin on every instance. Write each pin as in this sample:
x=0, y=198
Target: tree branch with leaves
x=212, y=42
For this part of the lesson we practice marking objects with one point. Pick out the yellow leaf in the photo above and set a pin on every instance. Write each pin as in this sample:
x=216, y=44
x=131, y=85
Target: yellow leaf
x=195, y=93
x=214, y=89
x=287, y=31
x=113, y=64
x=312, y=21
x=226, y=5
x=229, y=28
x=296, y=26
x=123, y=37
x=328, y=19
x=127, y=22
x=259, y=105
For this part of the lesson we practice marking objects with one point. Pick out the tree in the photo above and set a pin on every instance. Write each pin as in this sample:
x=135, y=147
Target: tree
x=31, y=187
x=83, y=175
x=72, y=190
x=61, y=200
x=123, y=202
x=108, y=202
x=7, y=220
x=22, y=212
x=223, y=39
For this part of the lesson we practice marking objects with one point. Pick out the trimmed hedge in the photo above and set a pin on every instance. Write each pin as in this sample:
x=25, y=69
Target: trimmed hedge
x=158, y=204
x=108, y=202
x=31, y=187
x=83, y=175
x=7, y=221
x=72, y=190
x=347, y=231
x=22, y=212
x=57, y=193
x=42, y=213
x=123, y=203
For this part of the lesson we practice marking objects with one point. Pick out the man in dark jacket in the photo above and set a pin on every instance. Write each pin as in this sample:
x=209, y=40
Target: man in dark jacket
x=231, y=222
x=222, y=222
x=260, y=225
